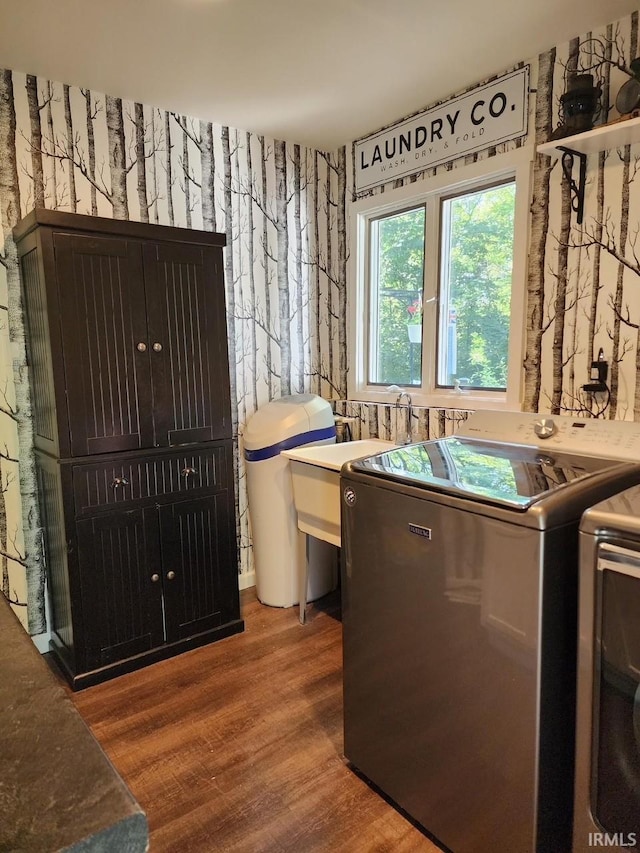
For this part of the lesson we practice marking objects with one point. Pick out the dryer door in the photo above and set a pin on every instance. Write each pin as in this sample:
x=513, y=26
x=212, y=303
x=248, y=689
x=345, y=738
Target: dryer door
x=616, y=742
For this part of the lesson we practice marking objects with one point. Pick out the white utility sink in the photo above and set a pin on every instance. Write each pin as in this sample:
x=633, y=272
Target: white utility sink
x=315, y=473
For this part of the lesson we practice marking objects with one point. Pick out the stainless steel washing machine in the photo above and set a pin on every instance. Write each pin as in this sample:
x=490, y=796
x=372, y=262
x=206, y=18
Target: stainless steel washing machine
x=460, y=561
x=607, y=784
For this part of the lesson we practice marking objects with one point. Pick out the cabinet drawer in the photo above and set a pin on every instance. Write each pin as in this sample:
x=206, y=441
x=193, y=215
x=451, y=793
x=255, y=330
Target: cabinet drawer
x=124, y=480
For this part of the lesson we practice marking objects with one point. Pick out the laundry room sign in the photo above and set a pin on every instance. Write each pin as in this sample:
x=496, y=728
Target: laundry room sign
x=484, y=116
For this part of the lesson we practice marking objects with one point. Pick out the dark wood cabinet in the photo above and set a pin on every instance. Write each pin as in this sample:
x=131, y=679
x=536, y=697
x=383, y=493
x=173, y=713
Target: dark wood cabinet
x=118, y=551
x=126, y=330
x=153, y=574
x=142, y=355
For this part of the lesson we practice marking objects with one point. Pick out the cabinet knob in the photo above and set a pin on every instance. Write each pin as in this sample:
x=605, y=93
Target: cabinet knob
x=119, y=482
x=141, y=347
x=155, y=577
x=171, y=575
x=188, y=472
x=157, y=347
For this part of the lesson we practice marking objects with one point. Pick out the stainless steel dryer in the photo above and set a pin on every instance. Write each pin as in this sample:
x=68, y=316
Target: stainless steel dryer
x=607, y=789
x=459, y=613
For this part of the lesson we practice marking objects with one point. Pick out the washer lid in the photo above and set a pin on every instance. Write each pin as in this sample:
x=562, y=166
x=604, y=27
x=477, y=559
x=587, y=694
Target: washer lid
x=511, y=475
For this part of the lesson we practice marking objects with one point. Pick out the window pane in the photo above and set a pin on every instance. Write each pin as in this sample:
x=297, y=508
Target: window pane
x=395, y=298
x=475, y=288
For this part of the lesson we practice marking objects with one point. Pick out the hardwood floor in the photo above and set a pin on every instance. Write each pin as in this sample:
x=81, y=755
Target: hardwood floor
x=237, y=746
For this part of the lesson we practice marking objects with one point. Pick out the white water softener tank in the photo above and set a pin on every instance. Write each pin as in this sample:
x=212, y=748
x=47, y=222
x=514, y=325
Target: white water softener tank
x=279, y=548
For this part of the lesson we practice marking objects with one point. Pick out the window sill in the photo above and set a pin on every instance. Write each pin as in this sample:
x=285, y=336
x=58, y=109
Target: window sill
x=442, y=399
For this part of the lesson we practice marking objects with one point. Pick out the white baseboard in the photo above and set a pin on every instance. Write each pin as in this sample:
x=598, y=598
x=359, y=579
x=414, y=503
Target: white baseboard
x=247, y=579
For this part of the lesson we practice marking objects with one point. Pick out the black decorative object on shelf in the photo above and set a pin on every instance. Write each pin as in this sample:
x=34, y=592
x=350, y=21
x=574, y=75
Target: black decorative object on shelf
x=628, y=98
x=580, y=106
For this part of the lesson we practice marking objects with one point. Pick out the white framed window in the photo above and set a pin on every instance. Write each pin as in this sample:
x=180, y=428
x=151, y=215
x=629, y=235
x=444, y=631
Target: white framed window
x=437, y=287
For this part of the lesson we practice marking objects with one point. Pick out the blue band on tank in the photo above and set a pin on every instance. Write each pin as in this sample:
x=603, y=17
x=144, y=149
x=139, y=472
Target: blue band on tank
x=289, y=443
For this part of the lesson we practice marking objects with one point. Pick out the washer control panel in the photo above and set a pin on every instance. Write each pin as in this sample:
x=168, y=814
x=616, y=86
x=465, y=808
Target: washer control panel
x=590, y=437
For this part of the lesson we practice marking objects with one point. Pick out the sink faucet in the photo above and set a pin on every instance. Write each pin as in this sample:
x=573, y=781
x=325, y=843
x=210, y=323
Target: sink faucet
x=406, y=397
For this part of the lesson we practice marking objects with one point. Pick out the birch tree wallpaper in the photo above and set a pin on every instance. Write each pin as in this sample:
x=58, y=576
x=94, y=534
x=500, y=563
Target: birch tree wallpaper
x=284, y=210
x=582, y=288
x=583, y=293
x=68, y=148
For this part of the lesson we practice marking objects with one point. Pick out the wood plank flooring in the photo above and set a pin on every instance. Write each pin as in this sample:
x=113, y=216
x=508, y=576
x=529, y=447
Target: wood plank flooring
x=237, y=746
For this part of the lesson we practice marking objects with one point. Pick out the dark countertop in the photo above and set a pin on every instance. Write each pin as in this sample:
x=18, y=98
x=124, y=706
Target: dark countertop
x=58, y=790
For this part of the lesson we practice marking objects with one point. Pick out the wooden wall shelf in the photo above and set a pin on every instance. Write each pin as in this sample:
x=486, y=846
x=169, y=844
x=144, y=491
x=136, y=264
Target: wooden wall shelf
x=599, y=139
x=578, y=146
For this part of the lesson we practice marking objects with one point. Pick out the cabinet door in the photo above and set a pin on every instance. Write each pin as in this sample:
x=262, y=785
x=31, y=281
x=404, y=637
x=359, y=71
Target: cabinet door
x=197, y=565
x=103, y=320
x=121, y=602
x=188, y=341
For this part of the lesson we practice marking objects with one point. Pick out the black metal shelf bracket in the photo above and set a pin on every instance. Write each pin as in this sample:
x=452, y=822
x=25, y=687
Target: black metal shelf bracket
x=577, y=189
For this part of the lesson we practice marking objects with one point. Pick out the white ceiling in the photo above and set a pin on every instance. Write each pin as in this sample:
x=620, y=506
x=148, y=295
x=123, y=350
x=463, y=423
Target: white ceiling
x=317, y=72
